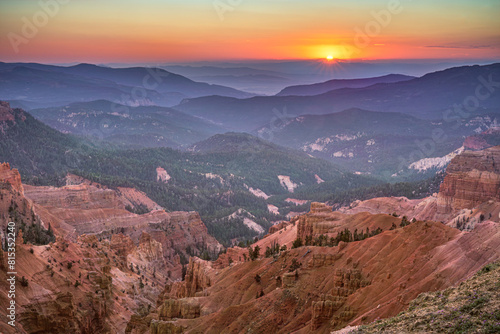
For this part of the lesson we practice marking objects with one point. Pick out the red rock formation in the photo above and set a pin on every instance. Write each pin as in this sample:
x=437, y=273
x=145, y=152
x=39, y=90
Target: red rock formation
x=471, y=179
x=163, y=327
x=198, y=277
x=122, y=245
x=83, y=207
x=420, y=209
x=279, y=226
x=178, y=308
x=480, y=141
x=149, y=250
x=322, y=221
x=134, y=197
x=12, y=200
x=127, y=196
x=11, y=176
x=83, y=283
x=232, y=255
x=475, y=143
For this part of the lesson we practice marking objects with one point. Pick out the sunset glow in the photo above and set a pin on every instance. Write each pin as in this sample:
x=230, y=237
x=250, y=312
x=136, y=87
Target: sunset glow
x=174, y=30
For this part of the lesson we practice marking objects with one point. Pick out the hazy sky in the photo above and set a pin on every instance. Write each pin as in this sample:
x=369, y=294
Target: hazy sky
x=174, y=30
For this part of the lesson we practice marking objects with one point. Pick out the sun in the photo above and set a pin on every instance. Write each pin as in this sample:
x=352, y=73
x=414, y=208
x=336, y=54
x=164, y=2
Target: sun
x=329, y=57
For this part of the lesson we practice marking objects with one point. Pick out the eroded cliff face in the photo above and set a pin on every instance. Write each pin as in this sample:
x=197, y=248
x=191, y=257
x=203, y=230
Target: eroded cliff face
x=12, y=177
x=199, y=276
x=69, y=287
x=106, y=263
x=472, y=178
x=470, y=193
x=14, y=206
x=160, y=237
x=321, y=220
x=483, y=140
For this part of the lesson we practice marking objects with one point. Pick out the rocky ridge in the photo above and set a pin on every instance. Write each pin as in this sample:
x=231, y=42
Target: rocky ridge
x=470, y=193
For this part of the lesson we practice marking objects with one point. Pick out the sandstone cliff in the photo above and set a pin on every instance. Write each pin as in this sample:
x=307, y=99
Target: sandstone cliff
x=321, y=220
x=486, y=139
x=106, y=264
x=470, y=193
x=471, y=178
x=84, y=207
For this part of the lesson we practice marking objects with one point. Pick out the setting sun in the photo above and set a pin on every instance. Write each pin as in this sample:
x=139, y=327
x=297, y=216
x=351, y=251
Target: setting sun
x=329, y=57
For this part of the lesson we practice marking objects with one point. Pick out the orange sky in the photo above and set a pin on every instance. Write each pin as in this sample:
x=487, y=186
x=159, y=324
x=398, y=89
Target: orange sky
x=172, y=30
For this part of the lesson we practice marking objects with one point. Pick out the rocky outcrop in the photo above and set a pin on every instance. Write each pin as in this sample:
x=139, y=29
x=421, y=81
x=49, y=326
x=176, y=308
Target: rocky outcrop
x=162, y=175
x=231, y=255
x=483, y=140
x=279, y=226
x=346, y=282
x=471, y=178
x=77, y=197
x=129, y=197
x=165, y=327
x=317, y=207
x=84, y=207
x=178, y=308
x=289, y=279
x=323, y=260
x=321, y=220
x=11, y=176
x=54, y=316
x=420, y=209
x=197, y=279
x=323, y=310
x=149, y=250
x=14, y=206
x=318, y=221
x=122, y=245
x=134, y=198
x=6, y=113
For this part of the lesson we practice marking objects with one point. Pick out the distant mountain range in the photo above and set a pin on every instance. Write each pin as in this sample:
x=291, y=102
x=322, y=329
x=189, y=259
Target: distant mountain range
x=324, y=87
x=35, y=85
x=254, y=80
x=145, y=126
x=425, y=97
x=366, y=125
x=369, y=142
x=247, y=75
